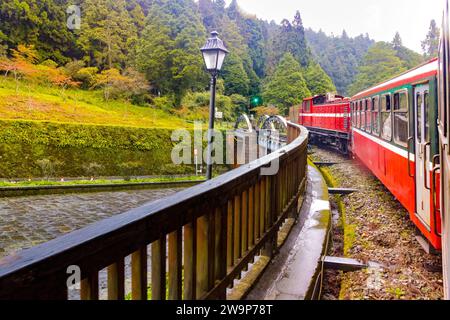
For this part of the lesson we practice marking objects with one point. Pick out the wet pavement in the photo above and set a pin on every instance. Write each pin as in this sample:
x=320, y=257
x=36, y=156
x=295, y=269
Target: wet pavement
x=29, y=221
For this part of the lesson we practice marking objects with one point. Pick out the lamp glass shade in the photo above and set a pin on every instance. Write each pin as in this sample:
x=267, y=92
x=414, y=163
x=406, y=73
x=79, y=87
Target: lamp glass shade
x=220, y=59
x=210, y=57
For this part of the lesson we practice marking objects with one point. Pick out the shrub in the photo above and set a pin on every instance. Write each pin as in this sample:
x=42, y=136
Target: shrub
x=196, y=101
x=240, y=104
x=162, y=103
x=86, y=76
x=50, y=63
x=270, y=111
x=131, y=169
x=48, y=167
x=73, y=67
x=92, y=169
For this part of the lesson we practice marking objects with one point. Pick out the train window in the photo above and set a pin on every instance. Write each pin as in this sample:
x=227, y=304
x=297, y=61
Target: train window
x=363, y=115
x=376, y=115
x=401, y=118
x=308, y=106
x=419, y=117
x=352, y=114
x=386, y=117
x=368, y=115
x=358, y=113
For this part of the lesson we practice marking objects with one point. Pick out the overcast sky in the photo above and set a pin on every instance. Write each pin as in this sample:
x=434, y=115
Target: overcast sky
x=379, y=18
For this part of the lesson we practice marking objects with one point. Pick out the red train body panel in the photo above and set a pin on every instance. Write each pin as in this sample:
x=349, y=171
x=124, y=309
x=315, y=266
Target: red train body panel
x=403, y=166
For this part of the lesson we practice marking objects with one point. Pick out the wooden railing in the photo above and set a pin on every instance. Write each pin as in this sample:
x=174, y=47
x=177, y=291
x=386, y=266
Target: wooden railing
x=199, y=240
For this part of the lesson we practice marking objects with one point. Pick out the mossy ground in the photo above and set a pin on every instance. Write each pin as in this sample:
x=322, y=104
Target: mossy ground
x=349, y=229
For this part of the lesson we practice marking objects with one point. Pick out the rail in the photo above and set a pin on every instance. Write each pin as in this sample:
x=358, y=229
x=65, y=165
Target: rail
x=199, y=240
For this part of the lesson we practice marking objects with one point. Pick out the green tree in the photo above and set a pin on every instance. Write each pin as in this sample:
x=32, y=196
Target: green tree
x=286, y=87
x=254, y=83
x=339, y=56
x=235, y=36
x=240, y=104
x=168, y=51
x=430, y=45
x=252, y=30
x=235, y=77
x=289, y=37
x=106, y=28
x=41, y=23
x=137, y=14
x=380, y=63
x=3, y=46
x=409, y=58
x=397, y=42
x=317, y=80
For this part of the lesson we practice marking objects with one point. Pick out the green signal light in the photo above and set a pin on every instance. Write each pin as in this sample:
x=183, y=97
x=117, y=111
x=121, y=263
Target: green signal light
x=256, y=101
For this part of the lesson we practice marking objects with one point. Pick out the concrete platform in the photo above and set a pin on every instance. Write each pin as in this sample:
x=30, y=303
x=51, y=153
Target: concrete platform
x=295, y=273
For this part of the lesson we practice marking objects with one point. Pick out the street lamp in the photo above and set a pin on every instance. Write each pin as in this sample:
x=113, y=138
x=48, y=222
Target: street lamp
x=214, y=52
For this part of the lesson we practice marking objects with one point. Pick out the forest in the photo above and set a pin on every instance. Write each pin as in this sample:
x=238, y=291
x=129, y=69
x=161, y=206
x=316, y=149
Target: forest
x=147, y=53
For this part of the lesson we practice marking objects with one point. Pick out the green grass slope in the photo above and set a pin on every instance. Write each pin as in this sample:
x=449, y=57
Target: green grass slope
x=27, y=101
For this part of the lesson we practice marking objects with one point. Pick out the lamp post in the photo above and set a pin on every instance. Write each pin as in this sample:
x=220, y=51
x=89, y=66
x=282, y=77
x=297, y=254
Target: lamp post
x=214, y=52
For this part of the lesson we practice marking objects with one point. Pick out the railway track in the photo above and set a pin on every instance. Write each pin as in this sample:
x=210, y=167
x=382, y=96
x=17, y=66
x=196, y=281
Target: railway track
x=371, y=225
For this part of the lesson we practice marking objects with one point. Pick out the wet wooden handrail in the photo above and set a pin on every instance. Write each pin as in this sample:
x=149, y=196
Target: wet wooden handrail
x=201, y=239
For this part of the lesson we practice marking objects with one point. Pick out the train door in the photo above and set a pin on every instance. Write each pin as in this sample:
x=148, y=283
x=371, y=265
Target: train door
x=422, y=150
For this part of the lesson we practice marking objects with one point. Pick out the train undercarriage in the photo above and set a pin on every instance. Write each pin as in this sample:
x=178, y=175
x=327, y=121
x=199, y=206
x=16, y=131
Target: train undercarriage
x=336, y=140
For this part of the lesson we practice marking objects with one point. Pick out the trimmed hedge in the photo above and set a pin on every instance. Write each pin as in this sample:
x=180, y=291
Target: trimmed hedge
x=40, y=149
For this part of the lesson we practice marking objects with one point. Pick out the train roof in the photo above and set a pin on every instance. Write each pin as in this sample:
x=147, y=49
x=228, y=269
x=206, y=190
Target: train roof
x=337, y=97
x=328, y=98
x=422, y=71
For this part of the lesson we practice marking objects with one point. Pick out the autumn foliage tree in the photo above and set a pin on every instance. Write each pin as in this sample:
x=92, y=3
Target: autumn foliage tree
x=23, y=65
x=116, y=85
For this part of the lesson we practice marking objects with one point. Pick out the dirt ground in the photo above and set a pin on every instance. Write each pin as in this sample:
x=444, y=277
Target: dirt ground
x=373, y=226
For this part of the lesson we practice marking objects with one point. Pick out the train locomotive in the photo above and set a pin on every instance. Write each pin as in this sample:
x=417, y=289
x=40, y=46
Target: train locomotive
x=327, y=119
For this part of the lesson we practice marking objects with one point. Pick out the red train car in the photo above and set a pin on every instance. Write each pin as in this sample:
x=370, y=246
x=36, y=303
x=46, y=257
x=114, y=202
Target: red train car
x=394, y=133
x=444, y=142
x=327, y=117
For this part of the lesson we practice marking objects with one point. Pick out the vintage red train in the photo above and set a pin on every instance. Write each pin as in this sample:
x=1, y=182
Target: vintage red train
x=392, y=129
x=400, y=130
